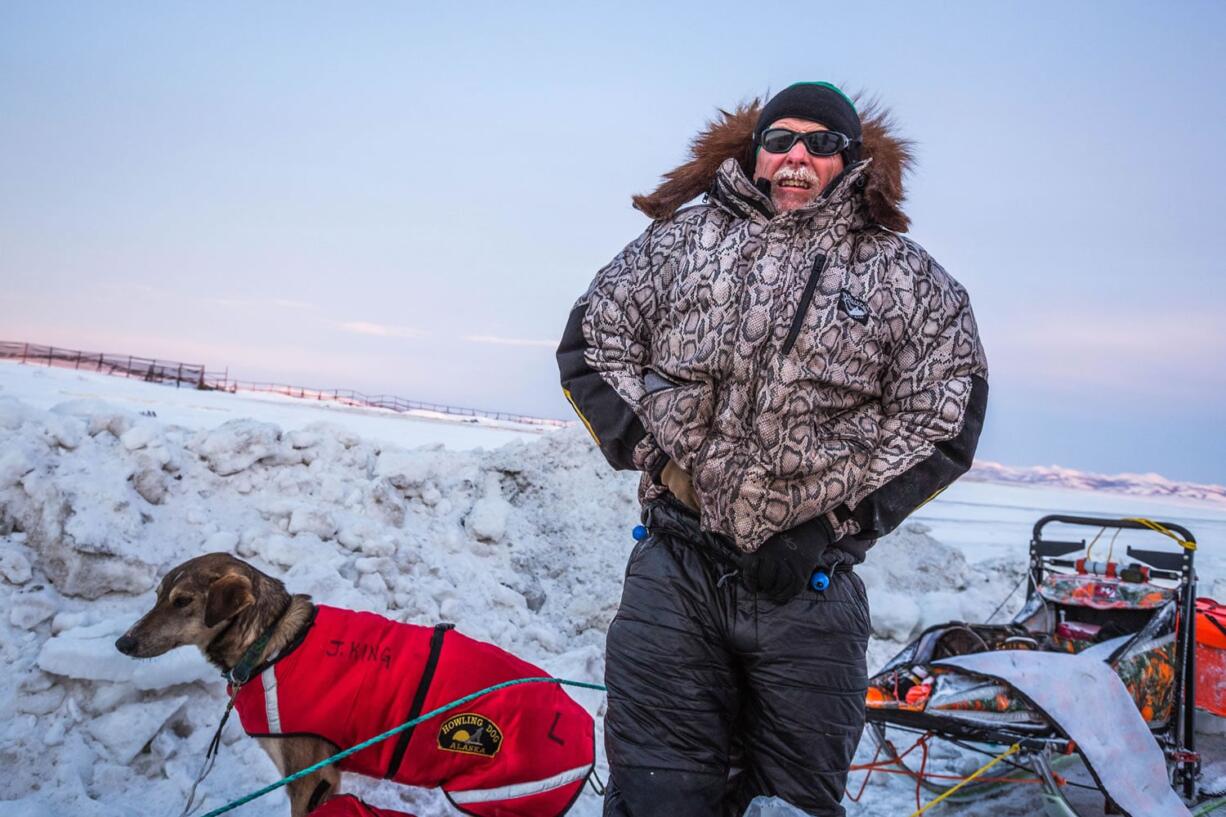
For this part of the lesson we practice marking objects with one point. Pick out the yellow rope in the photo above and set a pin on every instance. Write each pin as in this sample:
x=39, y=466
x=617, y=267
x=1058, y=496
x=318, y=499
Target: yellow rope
x=1093, y=542
x=1011, y=750
x=1152, y=525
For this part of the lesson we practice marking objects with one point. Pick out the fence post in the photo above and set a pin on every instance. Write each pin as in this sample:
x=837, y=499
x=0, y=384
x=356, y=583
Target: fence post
x=101, y=355
x=78, y=360
x=179, y=377
x=50, y=355
x=25, y=351
x=127, y=372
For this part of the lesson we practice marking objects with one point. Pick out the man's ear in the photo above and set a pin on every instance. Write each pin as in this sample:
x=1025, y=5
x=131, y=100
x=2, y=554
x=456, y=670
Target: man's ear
x=227, y=597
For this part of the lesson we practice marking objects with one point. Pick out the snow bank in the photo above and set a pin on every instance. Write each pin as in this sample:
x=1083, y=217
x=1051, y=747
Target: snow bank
x=523, y=545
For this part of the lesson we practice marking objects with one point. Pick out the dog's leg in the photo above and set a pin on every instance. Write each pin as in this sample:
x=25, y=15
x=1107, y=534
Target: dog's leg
x=298, y=752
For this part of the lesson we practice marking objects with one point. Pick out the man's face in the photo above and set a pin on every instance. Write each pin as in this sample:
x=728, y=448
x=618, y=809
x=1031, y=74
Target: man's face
x=797, y=177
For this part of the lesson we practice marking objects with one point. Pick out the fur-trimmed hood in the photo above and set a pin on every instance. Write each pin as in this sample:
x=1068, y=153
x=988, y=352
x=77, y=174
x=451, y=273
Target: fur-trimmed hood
x=886, y=156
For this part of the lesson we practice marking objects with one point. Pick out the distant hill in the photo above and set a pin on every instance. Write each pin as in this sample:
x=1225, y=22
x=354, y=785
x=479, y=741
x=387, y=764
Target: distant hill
x=1056, y=476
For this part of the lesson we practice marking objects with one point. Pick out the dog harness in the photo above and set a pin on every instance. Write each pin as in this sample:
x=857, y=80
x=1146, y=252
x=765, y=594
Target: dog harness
x=522, y=751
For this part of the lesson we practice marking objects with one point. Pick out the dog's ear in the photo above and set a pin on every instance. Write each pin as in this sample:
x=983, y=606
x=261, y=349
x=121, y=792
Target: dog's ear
x=227, y=597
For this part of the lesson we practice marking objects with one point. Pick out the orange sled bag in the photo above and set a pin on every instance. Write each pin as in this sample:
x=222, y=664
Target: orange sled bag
x=523, y=751
x=1211, y=656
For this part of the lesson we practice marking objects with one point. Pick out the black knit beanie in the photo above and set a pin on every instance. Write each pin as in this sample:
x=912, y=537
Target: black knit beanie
x=818, y=102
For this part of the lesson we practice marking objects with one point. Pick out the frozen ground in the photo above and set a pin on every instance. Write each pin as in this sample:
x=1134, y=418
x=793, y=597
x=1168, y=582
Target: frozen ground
x=518, y=537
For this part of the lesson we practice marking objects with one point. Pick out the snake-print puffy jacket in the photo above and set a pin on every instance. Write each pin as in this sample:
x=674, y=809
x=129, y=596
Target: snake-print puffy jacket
x=804, y=366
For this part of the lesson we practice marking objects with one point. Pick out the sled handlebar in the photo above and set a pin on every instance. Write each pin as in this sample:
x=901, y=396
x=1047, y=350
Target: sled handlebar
x=1100, y=522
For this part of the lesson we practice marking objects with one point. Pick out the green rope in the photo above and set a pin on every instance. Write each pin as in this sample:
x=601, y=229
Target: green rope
x=389, y=733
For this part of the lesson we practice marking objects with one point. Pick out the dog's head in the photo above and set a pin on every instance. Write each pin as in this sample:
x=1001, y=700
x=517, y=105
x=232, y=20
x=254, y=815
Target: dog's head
x=194, y=601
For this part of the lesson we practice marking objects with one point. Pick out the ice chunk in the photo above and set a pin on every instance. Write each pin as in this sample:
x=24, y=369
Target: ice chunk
x=894, y=616
x=15, y=463
x=403, y=469
x=125, y=730
x=98, y=416
x=358, y=533
x=387, y=503
x=184, y=665
x=141, y=435
x=88, y=653
x=915, y=563
x=66, y=432
x=41, y=703
x=304, y=438
x=488, y=518
x=288, y=551
x=91, y=575
x=150, y=482
x=32, y=607
x=14, y=567
x=236, y=445
x=312, y=520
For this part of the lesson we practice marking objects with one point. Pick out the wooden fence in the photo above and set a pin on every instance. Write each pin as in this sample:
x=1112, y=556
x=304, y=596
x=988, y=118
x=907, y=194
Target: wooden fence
x=197, y=376
x=142, y=368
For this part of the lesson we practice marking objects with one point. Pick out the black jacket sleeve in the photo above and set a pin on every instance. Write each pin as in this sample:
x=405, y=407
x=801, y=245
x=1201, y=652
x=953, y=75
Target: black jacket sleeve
x=610, y=420
x=885, y=508
x=605, y=351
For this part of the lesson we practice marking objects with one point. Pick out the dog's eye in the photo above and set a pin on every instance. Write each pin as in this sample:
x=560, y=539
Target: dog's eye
x=182, y=601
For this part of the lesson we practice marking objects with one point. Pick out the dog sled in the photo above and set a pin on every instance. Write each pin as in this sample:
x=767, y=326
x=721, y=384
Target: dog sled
x=1090, y=692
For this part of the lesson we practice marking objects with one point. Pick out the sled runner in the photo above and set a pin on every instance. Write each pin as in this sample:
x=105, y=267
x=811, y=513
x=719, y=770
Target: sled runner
x=1101, y=672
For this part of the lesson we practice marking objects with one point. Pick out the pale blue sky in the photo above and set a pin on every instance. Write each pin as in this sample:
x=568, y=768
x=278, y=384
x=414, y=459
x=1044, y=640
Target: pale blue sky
x=408, y=197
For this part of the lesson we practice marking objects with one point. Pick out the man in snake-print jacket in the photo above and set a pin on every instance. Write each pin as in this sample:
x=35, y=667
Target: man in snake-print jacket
x=793, y=377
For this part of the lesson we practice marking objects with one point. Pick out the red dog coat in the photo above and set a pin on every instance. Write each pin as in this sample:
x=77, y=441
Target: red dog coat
x=346, y=805
x=524, y=751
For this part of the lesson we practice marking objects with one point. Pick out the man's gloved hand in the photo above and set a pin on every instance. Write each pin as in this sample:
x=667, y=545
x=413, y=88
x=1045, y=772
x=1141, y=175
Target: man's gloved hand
x=679, y=485
x=781, y=568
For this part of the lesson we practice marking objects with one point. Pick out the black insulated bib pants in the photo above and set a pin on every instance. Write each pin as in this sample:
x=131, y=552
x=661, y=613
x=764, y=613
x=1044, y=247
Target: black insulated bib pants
x=717, y=696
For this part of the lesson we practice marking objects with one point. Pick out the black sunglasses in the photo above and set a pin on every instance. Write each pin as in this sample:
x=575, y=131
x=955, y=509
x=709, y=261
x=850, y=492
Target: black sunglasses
x=818, y=142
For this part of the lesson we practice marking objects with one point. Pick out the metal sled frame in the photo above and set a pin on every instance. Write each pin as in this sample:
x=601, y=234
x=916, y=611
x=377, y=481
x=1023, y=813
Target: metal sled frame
x=1178, y=738
x=1047, y=752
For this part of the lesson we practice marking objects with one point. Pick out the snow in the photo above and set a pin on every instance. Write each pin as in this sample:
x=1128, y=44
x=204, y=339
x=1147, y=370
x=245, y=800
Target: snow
x=32, y=606
x=119, y=401
x=519, y=537
x=127, y=728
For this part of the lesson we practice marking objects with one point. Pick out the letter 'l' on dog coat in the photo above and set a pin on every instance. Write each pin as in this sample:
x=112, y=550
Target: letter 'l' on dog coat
x=523, y=751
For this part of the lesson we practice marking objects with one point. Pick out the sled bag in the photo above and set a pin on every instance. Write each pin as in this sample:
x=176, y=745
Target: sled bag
x=1211, y=656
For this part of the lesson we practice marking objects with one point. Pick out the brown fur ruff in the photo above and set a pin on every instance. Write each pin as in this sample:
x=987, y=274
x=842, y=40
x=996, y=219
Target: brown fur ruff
x=731, y=136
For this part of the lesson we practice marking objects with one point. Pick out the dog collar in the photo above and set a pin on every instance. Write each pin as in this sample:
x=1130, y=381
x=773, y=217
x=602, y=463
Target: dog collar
x=241, y=672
